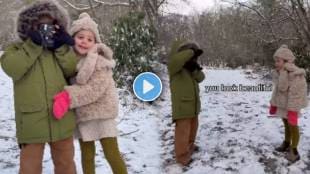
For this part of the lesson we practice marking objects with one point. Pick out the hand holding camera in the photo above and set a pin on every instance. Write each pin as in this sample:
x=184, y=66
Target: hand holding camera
x=47, y=33
x=61, y=37
x=50, y=36
x=192, y=66
x=35, y=36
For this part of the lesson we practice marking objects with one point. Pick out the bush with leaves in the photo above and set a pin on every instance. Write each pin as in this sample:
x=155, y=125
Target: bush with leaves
x=134, y=44
x=302, y=60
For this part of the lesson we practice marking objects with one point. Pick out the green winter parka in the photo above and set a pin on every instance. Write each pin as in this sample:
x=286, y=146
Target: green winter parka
x=38, y=74
x=184, y=85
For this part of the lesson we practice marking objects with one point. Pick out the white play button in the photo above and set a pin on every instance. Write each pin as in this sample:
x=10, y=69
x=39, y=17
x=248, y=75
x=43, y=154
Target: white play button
x=147, y=86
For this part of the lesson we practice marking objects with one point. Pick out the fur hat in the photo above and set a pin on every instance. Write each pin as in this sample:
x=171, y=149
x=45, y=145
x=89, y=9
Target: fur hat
x=285, y=53
x=31, y=14
x=85, y=22
x=191, y=45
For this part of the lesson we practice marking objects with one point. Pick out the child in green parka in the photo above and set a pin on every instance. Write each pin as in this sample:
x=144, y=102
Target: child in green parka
x=39, y=65
x=185, y=75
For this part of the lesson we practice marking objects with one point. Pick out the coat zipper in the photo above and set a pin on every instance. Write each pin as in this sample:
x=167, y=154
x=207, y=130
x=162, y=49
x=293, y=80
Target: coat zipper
x=46, y=99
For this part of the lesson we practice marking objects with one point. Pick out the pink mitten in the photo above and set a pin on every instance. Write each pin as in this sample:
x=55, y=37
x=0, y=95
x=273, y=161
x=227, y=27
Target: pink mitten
x=292, y=118
x=272, y=110
x=61, y=104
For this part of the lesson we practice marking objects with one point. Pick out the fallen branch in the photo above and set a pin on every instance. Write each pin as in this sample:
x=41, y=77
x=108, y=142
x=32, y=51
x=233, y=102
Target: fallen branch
x=113, y=4
x=121, y=120
x=125, y=134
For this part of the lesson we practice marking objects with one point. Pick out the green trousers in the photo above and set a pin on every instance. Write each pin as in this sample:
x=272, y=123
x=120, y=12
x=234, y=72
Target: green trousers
x=111, y=152
x=291, y=134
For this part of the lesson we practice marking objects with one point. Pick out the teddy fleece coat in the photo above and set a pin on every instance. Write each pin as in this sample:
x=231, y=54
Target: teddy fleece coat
x=94, y=94
x=184, y=85
x=38, y=75
x=290, y=89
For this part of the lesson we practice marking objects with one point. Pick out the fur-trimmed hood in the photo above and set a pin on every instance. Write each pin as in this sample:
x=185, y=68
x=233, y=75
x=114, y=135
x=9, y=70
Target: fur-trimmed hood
x=103, y=59
x=191, y=45
x=41, y=7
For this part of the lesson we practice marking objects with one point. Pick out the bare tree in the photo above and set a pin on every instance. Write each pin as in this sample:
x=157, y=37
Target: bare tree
x=290, y=13
x=97, y=3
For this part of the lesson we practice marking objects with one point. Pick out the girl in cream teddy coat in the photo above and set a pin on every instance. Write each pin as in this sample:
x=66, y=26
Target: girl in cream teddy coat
x=288, y=98
x=94, y=96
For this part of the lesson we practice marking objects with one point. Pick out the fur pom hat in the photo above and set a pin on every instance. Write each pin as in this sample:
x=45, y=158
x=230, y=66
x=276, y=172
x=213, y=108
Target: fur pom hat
x=285, y=53
x=191, y=45
x=31, y=14
x=85, y=22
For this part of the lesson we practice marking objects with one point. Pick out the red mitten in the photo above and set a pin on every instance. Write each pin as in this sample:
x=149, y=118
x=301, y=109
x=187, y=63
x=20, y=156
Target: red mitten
x=292, y=118
x=61, y=104
x=272, y=110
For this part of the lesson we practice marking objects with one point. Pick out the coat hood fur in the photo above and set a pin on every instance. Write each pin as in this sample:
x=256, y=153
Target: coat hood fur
x=41, y=7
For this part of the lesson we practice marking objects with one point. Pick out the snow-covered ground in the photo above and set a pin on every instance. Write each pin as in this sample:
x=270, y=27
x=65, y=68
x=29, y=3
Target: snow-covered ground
x=235, y=135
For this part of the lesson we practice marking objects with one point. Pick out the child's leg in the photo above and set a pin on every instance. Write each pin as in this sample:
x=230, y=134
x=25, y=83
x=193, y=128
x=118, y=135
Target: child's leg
x=287, y=131
x=193, y=133
x=284, y=147
x=182, y=140
x=293, y=154
x=88, y=156
x=63, y=156
x=113, y=155
x=295, y=136
x=31, y=156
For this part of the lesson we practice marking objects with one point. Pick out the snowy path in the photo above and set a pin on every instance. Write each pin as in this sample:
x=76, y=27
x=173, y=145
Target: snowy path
x=235, y=136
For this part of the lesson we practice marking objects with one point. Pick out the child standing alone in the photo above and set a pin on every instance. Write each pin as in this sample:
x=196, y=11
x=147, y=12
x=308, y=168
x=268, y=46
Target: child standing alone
x=288, y=98
x=94, y=96
x=185, y=74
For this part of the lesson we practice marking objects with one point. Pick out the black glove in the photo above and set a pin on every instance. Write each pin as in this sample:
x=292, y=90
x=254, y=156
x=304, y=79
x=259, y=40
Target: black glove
x=198, y=52
x=61, y=37
x=198, y=67
x=35, y=36
x=192, y=66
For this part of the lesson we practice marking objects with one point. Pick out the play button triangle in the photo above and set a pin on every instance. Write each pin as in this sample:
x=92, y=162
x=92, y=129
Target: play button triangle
x=147, y=86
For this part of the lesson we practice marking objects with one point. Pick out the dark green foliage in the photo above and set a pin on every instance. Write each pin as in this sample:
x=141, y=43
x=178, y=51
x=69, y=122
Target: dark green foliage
x=133, y=43
x=303, y=60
